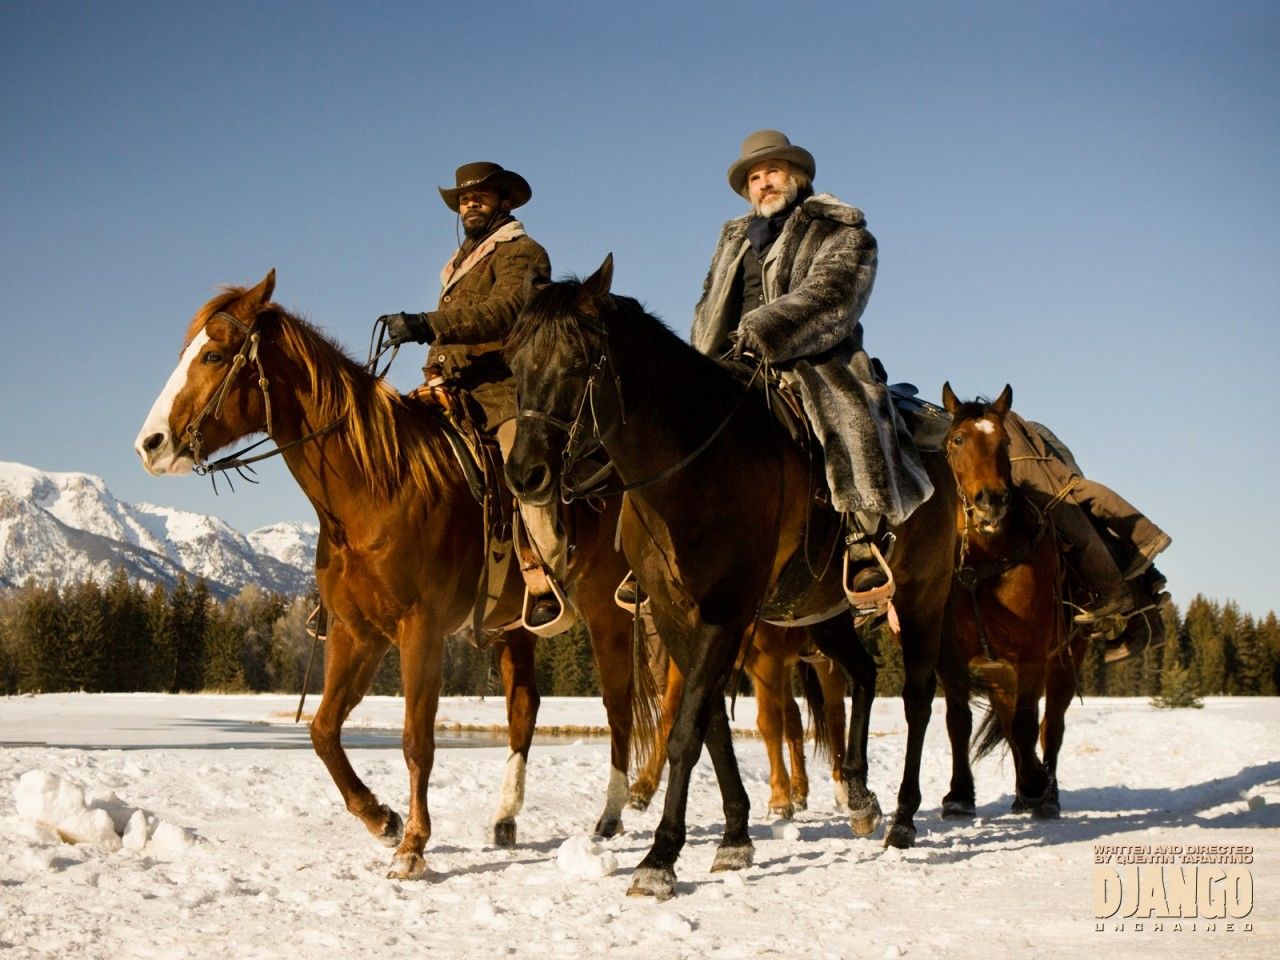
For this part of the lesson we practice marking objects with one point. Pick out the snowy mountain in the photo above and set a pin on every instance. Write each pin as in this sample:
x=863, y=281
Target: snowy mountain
x=64, y=527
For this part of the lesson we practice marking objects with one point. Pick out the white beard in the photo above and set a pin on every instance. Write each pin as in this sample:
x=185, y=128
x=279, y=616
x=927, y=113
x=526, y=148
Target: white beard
x=777, y=202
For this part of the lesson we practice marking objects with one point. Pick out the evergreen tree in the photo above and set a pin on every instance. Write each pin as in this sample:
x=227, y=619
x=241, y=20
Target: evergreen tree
x=128, y=630
x=1269, y=643
x=189, y=613
x=84, y=640
x=40, y=627
x=1177, y=689
x=224, y=635
x=162, y=664
x=1203, y=641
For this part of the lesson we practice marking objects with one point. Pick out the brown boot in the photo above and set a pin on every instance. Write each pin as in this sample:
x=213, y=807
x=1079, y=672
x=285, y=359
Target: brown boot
x=1144, y=629
x=1146, y=553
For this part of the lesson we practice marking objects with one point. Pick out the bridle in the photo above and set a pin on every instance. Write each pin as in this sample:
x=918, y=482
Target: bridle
x=192, y=437
x=584, y=435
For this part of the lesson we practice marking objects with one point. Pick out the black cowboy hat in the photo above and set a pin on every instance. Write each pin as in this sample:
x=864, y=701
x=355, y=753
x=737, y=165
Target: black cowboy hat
x=487, y=176
x=767, y=145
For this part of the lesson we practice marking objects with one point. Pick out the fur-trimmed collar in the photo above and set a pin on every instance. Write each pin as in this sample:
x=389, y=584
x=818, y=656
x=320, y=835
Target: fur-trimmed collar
x=452, y=272
x=821, y=206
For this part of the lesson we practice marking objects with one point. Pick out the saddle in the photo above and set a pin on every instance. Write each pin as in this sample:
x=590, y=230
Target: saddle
x=478, y=455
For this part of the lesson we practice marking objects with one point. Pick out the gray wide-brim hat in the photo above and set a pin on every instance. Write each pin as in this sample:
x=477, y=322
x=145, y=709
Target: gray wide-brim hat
x=483, y=175
x=767, y=145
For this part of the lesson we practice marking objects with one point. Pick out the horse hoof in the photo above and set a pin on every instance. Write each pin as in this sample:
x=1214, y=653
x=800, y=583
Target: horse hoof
x=1020, y=805
x=504, y=832
x=867, y=818
x=782, y=811
x=901, y=835
x=653, y=882
x=737, y=857
x=608, y=827
x=1048, y=810
x=801, y=804
x=959, y=810
x=407, y=866
x=842, y=796
x=392, y=830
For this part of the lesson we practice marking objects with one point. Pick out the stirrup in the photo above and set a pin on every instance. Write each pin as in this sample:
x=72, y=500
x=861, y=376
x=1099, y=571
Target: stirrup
x=870, y=603
x=557, y=626
x=639, y=598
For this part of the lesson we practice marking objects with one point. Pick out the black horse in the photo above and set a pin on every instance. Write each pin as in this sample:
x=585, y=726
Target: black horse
x=717, y=518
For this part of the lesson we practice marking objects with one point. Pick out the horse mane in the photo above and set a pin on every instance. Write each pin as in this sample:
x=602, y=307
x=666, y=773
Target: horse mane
x=553, y=315
x=392, y=443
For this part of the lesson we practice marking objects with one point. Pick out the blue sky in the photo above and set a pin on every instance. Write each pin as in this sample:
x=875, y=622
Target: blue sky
x=1082, y=200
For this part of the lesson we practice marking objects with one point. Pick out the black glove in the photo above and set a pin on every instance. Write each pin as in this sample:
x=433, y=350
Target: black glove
x=406, y=328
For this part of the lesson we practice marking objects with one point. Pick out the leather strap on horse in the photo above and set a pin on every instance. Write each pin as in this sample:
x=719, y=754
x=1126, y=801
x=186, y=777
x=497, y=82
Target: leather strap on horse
x=971, y=576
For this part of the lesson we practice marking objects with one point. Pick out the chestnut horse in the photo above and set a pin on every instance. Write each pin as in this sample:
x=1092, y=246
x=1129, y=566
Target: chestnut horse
x=720, y=501
x=1013, y=640
x=401, y=545
x=769, y=662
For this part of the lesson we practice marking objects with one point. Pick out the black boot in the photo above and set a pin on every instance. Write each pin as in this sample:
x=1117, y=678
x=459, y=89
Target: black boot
x=544, y=610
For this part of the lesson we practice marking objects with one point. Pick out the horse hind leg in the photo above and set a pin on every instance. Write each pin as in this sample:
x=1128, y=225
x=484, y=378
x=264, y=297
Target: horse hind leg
x=611, y=646
x=515, y=663
x=838, y=640
x=350, y=666
x=960, y=801
x=768, y=674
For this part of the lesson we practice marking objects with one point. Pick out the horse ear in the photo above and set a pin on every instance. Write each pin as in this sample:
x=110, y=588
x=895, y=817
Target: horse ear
x=533, y=282
x=596, y=287
x=949, y=400
x=1004, y=401
x=260, y=295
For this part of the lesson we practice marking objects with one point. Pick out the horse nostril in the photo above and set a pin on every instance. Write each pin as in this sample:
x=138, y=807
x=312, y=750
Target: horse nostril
x=538, y=478
x=153, y=442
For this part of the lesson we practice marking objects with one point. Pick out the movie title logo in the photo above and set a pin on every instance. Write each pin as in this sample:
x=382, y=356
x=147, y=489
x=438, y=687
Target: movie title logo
x=1161, y=887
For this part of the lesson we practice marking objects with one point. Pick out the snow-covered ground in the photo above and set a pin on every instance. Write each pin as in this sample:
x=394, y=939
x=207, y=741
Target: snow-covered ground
x=242, y=849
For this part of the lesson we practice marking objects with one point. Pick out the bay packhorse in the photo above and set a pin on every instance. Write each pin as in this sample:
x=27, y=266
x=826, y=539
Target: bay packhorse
x=1014, y=642
x=719, y=505
x=401, y=546
x=771, y=658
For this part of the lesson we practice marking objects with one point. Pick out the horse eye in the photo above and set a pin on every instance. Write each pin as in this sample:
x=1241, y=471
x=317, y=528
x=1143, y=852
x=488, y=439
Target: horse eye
x=213, y=356
x=957, y=440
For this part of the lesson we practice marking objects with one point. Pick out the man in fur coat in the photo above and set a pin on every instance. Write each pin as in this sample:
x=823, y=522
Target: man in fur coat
x=788, y=282
x=483, y=288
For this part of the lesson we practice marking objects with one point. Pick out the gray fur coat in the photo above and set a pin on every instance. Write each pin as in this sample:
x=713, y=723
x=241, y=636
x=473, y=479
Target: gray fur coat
x=817, y=279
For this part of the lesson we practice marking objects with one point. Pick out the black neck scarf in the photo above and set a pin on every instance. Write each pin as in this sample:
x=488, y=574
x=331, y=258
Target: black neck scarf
x=762, y=231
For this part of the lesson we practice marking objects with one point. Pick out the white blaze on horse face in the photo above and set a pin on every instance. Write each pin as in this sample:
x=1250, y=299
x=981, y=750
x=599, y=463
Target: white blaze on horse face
x=985, y=425
x=160, y=456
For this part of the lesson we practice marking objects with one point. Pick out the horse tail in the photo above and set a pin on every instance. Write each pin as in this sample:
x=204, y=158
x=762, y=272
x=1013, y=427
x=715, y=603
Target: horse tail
x=988, y=735
x=815, y=701
x=645, y=703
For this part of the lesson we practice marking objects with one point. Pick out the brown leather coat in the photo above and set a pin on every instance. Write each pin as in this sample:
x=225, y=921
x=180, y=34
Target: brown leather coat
x=483, y=292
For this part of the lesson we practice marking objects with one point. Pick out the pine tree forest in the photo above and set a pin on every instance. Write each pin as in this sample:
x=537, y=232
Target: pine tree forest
x=122, y=637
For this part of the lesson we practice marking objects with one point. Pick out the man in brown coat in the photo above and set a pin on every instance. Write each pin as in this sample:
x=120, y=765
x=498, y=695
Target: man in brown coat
x=483, y=288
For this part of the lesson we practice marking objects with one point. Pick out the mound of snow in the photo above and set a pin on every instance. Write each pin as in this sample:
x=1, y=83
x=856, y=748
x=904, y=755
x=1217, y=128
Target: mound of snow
x=579, y=857
x=54, y=807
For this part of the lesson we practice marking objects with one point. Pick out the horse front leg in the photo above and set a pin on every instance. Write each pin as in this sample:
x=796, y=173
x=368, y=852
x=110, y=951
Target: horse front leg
x=1060, y=687
x=421, y=655
x=1032, y=782
x=350, y=665
x=515, y=663
x=646, y=783
x=710, y=654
